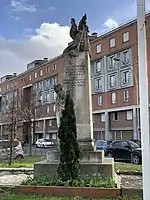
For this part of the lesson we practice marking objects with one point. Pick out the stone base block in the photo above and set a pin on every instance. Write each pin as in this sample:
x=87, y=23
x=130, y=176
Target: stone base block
x=105, y=169
x=86, y=144
x=86, y=156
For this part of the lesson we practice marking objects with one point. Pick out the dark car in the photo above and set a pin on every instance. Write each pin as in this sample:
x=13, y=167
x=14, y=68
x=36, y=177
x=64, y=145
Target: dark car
x=137, y=142
x=125, y=150
x=102, y=144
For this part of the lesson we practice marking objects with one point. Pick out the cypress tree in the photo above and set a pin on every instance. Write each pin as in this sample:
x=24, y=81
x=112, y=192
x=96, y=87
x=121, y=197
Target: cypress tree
x=68, y=168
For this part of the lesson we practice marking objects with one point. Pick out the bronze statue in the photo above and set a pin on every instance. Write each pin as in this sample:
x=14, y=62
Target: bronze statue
x=60, y=102
x=83, y=24
x=80, y=37
x=74, y=29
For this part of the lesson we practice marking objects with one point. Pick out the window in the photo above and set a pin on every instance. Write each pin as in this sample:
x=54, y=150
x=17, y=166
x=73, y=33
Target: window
x=113, y=98
x=47, y=109
x=116, y=116
x=103, y=117
x=37, y=123
x=50, y=122
x=54, y=108
x=129, y=115
x=98, y=84
x=116, y=144
x=125, y=57
x=126, y=37
x=40, y=85
x=54, y=136
x=124, y=145
x=15, y=83
x=112, y=61
x=47, y=98
x=98, y=66
x=47, y=83
x=126, y=77
x=112, y=81
x=112, y=42
x=126, y=95
x=41, y=72
x=99, y=100
x=54, y=95
x=54, y=66
x=35, y=75
x=11, y=85
x=15, y=94
x=47, y=70
x=54, y=81
x=98, y=48
x=30, y=77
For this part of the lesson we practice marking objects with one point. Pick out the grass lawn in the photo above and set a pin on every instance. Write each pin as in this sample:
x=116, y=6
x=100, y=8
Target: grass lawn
x=27, y=162
x=9, y=196
x=127, y=166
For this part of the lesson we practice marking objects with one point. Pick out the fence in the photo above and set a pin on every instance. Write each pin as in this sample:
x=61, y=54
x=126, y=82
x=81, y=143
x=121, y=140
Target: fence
x=37, y=151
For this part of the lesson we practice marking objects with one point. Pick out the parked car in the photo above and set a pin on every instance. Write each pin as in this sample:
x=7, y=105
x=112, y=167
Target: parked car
x=44, y=143
x=125, y=150
x=102, y=144
x=17, y=150
x=137, y=142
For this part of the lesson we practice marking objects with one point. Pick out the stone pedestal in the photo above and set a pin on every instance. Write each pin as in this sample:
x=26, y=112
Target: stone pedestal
x=77, y=79
x=91, y=162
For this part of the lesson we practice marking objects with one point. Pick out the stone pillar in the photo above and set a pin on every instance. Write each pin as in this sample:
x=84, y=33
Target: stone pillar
x=106, y=125
x=77, y=79
x=32, y=137
x=44, y=128
x=1, y=130
x=134, y=124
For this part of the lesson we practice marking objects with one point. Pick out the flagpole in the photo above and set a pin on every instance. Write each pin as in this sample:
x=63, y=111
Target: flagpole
x=144, y=104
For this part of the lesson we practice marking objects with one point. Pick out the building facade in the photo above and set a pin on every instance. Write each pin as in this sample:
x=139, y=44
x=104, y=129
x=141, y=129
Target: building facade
x=114, y=77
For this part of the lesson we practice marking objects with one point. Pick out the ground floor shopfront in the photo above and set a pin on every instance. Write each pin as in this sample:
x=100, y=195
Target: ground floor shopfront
x=110, y=124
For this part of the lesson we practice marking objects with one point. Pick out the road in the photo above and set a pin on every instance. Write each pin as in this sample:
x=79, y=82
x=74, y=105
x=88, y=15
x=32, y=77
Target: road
x=37, y=151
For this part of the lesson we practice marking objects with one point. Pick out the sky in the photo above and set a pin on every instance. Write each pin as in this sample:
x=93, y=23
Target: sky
x=34, y=29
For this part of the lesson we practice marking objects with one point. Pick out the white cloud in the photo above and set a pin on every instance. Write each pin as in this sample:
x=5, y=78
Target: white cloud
x=49, y=41
x=121, y=14
x=22, y=6
x=127, y=11
x=110, y=23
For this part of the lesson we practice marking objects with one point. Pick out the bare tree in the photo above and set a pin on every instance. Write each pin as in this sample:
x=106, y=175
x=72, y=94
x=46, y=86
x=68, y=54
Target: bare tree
x=30, y=112
x=13, y=122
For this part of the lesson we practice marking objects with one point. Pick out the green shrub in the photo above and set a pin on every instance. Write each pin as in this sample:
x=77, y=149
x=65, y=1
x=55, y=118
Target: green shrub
x=96, y=181
x=68, y=168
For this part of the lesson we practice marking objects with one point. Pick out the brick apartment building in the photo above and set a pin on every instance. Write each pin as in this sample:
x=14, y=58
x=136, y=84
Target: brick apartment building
x=114, y=89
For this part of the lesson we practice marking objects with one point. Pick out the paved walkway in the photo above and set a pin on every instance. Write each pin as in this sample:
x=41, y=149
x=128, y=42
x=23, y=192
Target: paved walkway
x=131, y=181
x=13, y=179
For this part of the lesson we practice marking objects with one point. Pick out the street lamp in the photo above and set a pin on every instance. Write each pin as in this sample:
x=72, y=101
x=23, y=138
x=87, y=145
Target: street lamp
x=137, y=96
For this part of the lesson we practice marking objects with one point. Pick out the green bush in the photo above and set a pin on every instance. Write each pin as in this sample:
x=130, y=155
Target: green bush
x=68, y=168
x=96, y=181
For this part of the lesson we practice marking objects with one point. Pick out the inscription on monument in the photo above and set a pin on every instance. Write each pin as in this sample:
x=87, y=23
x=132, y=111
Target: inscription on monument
x=75, y=75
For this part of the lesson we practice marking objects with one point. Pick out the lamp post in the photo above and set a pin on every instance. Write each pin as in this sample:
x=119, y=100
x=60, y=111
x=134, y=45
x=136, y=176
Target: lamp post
x=137, y=97
x=144, y=103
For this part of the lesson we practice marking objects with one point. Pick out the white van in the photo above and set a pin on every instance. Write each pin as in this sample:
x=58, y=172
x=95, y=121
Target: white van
x=17, y=152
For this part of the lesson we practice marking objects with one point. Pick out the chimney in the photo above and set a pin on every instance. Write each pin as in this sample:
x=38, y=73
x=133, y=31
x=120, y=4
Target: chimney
x=94, y=34
x=14, y=74
x=45, y=59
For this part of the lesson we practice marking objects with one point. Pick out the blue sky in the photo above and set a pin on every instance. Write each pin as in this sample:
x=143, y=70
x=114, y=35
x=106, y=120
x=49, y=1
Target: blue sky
x=33, y=29
x=15, y=19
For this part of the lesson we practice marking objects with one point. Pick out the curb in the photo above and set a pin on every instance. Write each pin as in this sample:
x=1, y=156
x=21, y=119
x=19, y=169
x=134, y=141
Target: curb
x=130, y=173
x=70, y=191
